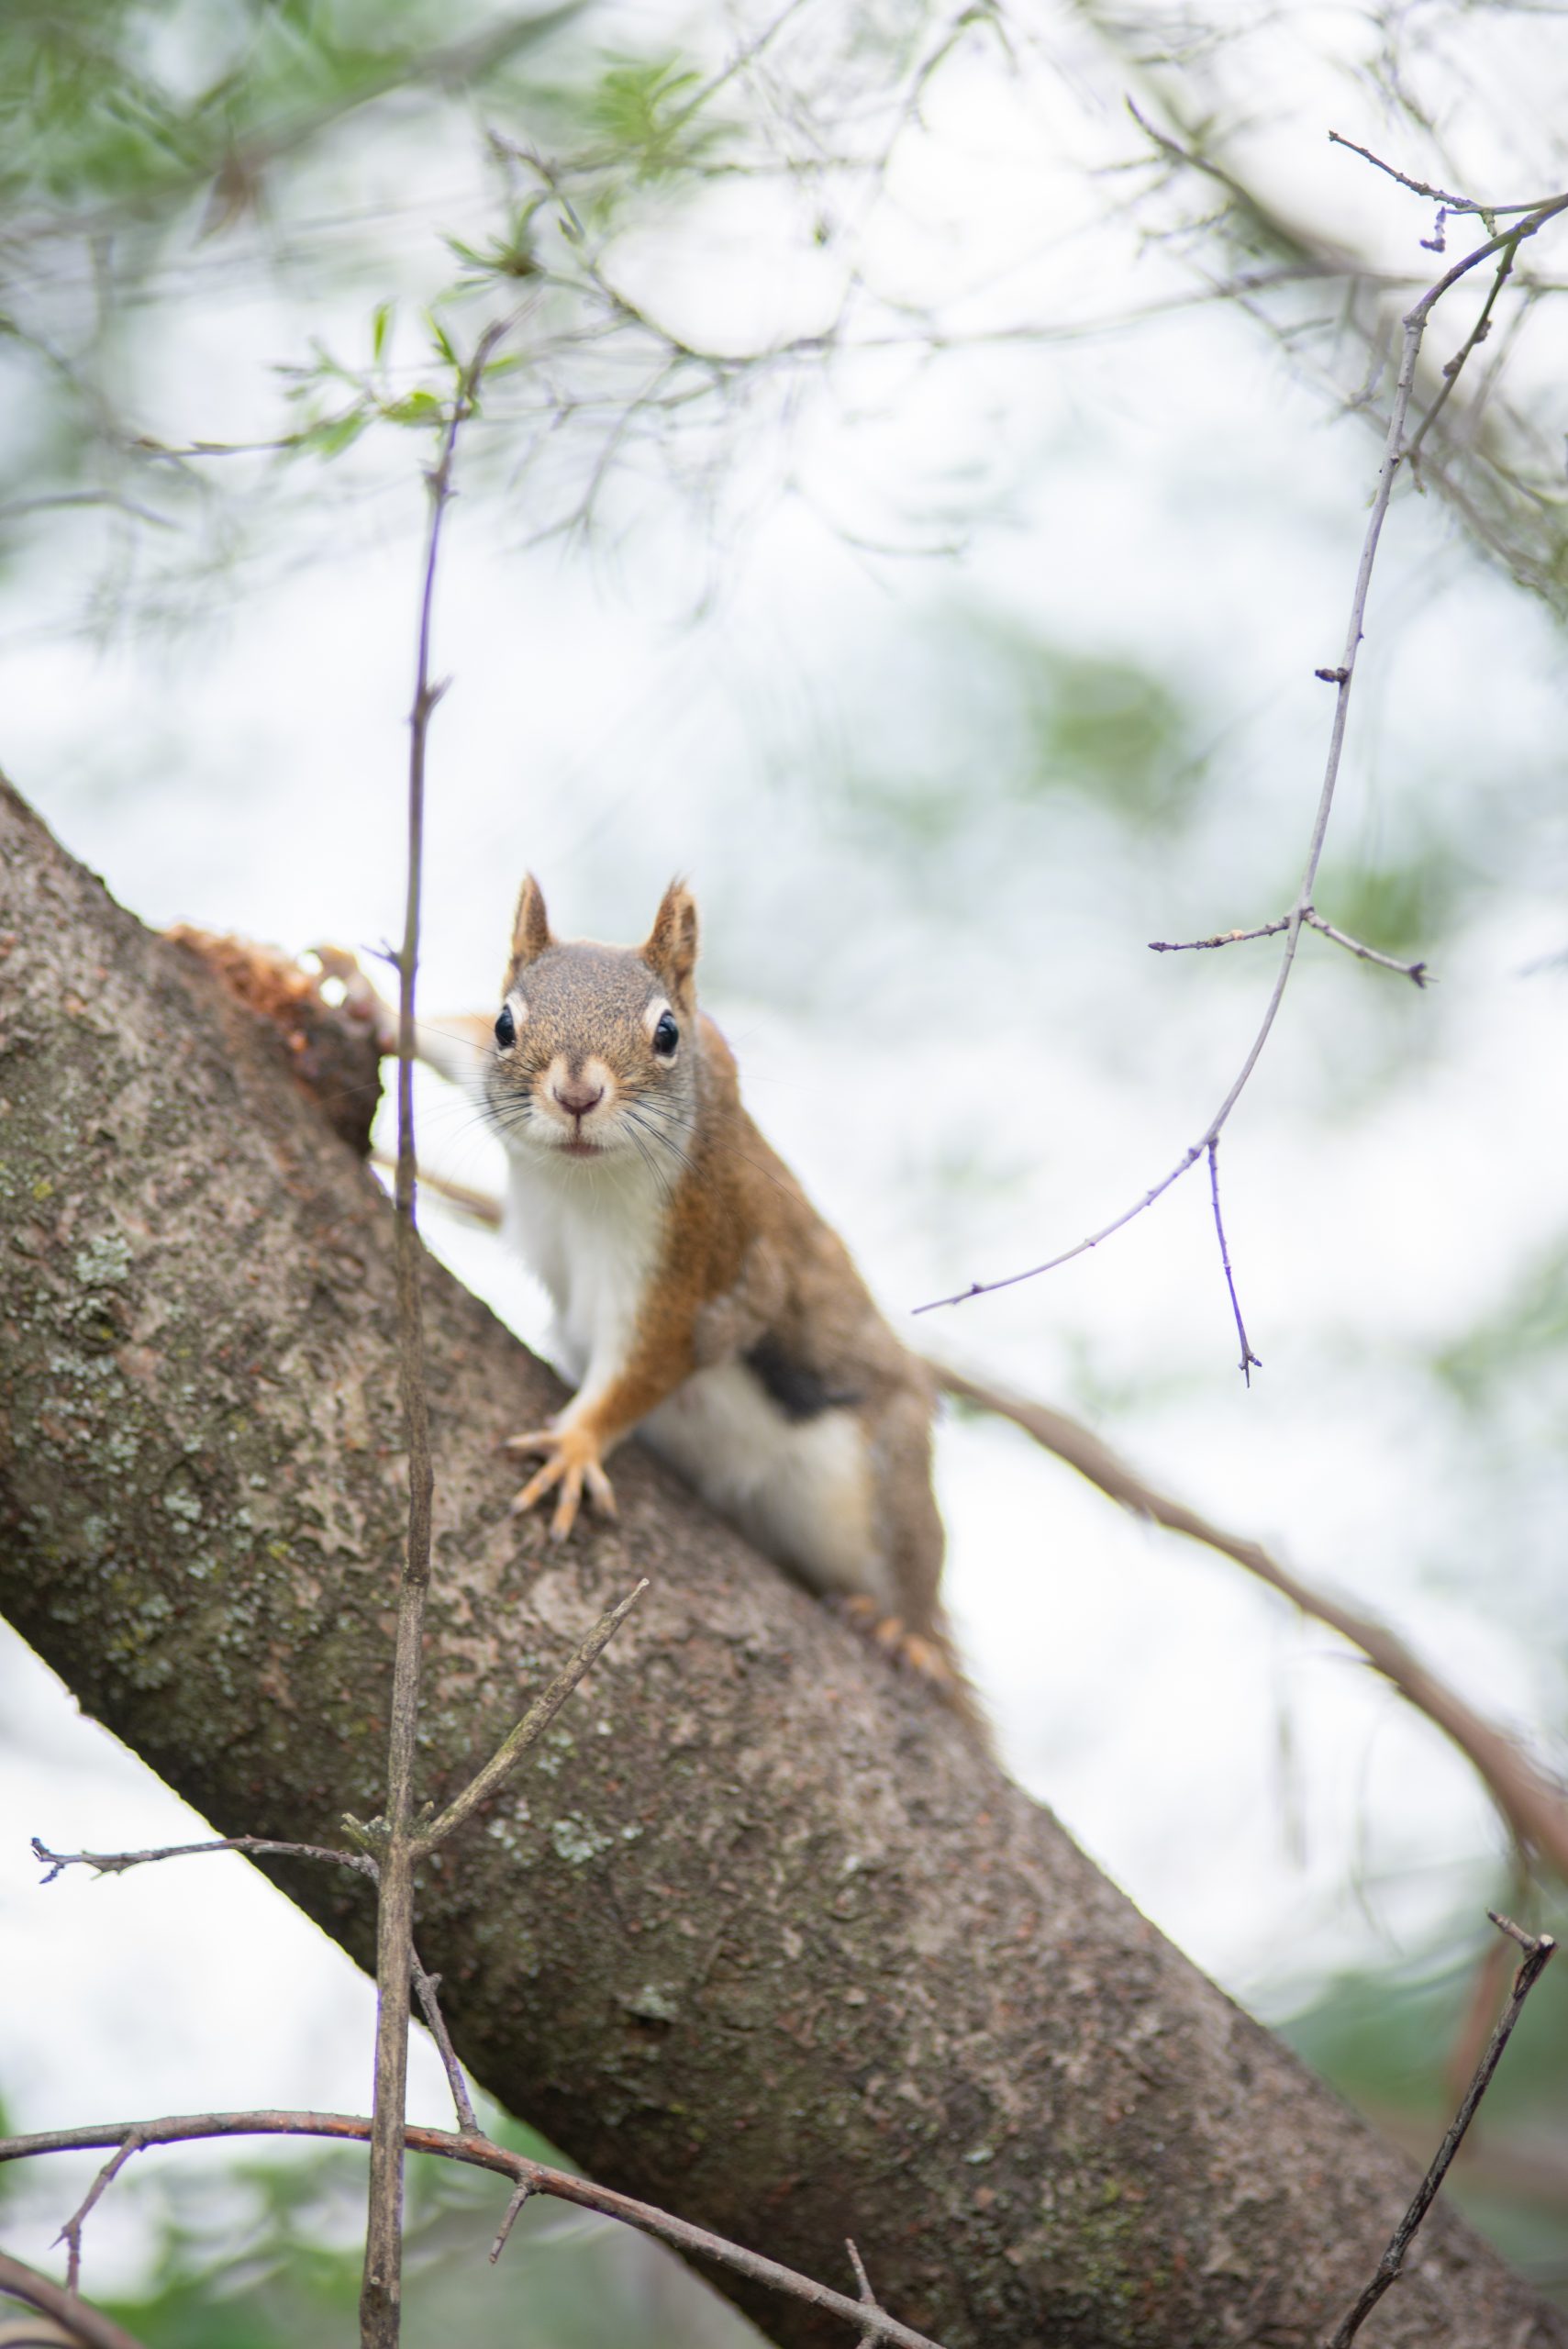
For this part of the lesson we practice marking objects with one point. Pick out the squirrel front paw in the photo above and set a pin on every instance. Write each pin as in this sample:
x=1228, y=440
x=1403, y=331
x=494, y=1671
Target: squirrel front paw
x=575, y=1462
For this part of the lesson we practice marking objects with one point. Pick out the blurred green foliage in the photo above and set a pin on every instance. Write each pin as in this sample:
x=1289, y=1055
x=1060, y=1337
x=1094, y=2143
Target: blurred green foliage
x=128, y=107
x=644, y=109
x=1524, y=1337
x=999, y=717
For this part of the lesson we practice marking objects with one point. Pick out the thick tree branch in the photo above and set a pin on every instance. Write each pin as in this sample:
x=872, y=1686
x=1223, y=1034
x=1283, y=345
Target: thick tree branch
x=760, y=1934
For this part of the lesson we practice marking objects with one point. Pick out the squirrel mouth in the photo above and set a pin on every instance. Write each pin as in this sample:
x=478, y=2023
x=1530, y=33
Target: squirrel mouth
x=581, y=1149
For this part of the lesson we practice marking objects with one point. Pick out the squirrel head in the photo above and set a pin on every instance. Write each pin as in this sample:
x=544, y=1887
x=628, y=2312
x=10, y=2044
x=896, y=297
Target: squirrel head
x=594, y=1057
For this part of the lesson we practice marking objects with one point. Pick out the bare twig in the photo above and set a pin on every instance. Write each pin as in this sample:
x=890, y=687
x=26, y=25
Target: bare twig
x=1417, y=973
x=1538, y=1952
x=541, y=1713
x=520, y=2194
x=1487, y=212
x=482, y=2152
x=1248, y=1361
x=1343, y=677
x=1313, y=919
x=1220, y=938
x=259, y=1846
x=426, y=1987
x=868, y=2298
x=1455, y=366
x=381, y=2292
x=71, y=2232
x=1532, y=1804
x=86, y=2324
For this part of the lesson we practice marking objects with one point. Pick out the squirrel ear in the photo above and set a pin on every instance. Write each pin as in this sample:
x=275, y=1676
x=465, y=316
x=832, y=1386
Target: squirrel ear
x=672, y=945
x=530, y=924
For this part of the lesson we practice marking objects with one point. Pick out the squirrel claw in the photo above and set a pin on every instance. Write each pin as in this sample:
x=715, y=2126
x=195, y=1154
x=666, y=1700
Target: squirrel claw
x=574, y=1467
x=889, y=1632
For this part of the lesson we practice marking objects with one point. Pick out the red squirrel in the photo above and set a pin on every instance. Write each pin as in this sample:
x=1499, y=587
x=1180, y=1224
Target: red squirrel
x=699, y=1298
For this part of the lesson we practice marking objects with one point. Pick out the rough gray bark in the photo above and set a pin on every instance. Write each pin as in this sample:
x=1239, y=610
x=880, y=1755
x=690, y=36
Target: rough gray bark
x=761, y=1937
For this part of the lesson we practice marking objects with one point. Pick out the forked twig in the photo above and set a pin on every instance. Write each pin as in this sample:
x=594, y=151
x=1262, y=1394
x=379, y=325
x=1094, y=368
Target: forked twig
x=1539, y=1951
x=1416, y=972
x=1343, y=678
x=868, y=2298
x=71, y=2232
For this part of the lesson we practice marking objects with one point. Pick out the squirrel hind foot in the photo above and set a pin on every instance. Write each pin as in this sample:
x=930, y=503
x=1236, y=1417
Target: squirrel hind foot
x=914, y=1650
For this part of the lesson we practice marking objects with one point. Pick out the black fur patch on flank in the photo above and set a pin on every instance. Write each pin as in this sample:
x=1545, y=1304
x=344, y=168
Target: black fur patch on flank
x=798, y=1391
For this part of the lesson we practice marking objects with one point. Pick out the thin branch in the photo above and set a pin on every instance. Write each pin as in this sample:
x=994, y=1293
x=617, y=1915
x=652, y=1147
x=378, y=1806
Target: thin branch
x=1343, y=677
x=1455, y=366
x=534, y=1722
x=379, y=2296
x=1532, y=1804
x=1538, y=1952
x=520, y=2194
x=1419, y=974
x=1487, y=212
x=868, y=2298
x=71, y=2232
x=1248, y=1361
x=117, y=1862
x=1220, y=938
x=482, y=2152
x=426, y=1987
x=88, y=2325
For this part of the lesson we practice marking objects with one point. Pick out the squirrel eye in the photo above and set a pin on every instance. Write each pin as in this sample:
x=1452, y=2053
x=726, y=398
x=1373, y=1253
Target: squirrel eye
x=505, y=1028
x=666, y=1036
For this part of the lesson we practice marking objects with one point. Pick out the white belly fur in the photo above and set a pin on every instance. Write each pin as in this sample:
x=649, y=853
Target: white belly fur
x=593, y=1237
x=799, y=1489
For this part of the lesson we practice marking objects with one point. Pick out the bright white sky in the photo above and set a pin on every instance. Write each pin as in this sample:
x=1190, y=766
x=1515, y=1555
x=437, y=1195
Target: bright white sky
x=969, y=1055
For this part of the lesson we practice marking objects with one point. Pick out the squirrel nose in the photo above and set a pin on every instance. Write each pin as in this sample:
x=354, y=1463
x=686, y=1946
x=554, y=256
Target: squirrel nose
x=578, y=1099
